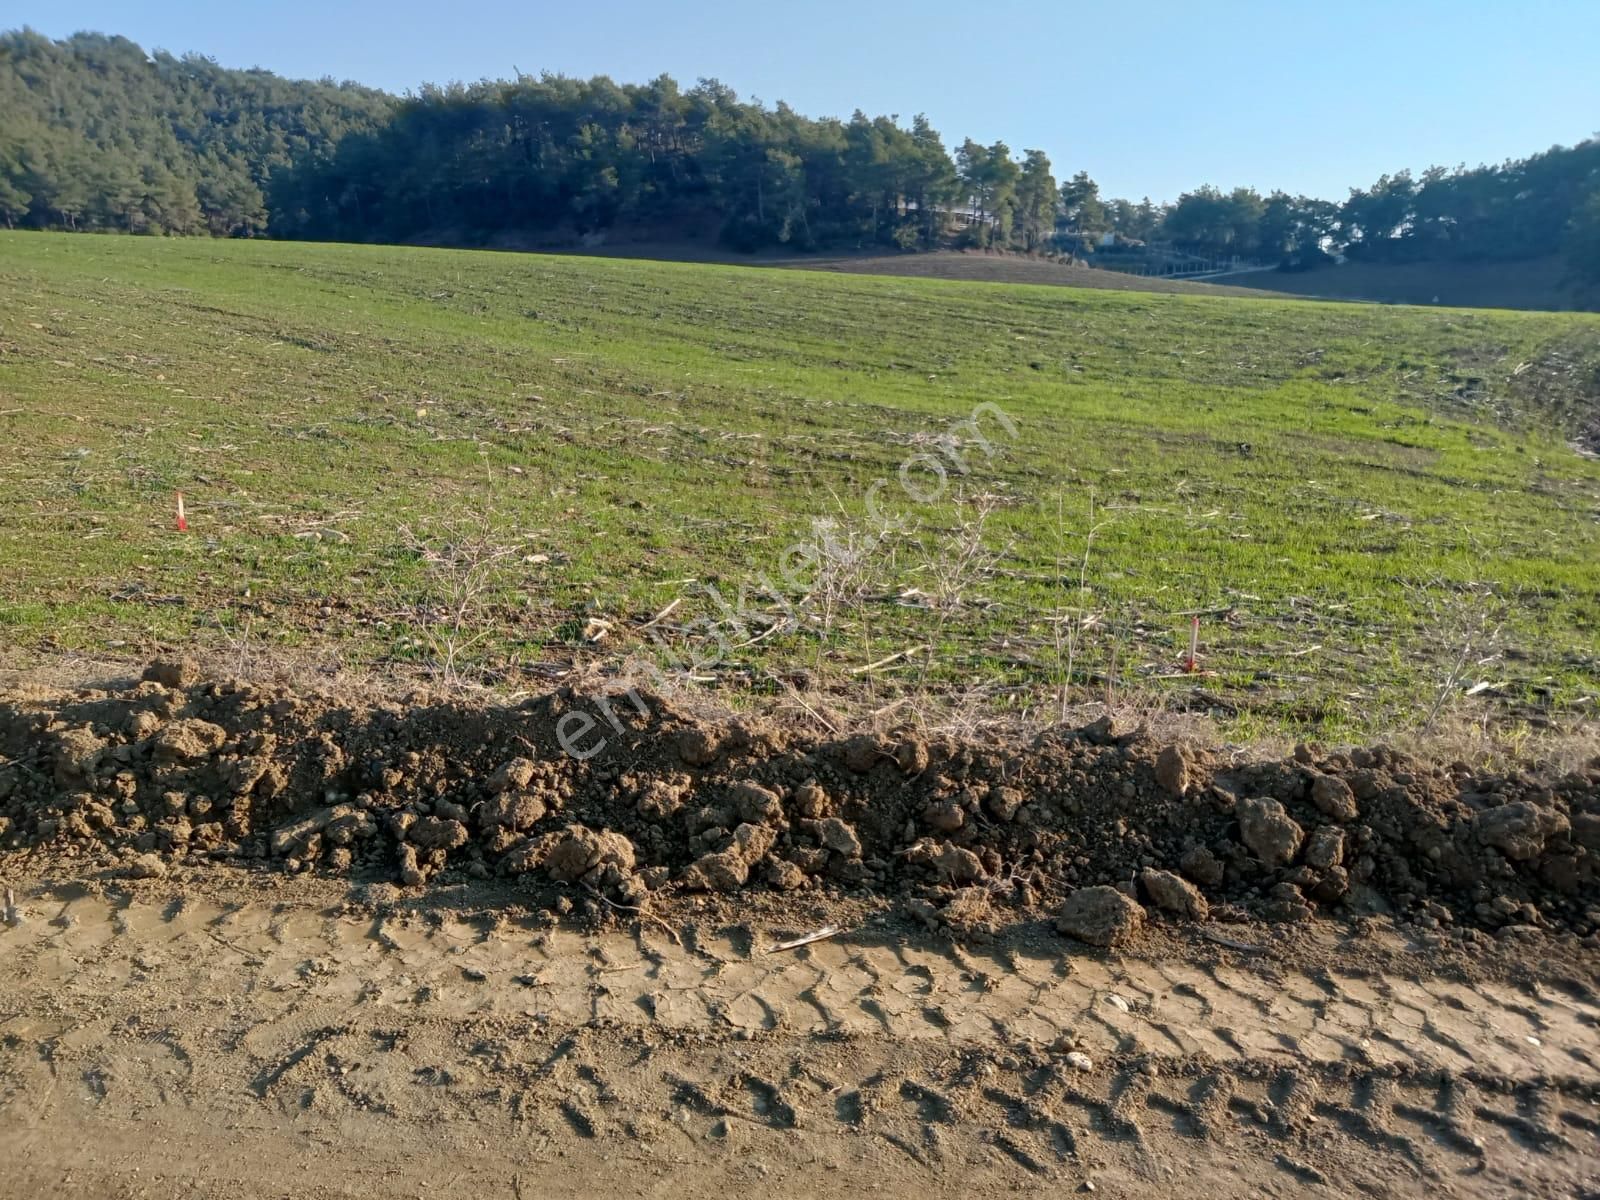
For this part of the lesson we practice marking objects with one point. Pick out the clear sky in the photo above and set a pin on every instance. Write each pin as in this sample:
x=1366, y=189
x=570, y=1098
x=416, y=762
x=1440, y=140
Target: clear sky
x=1152, y=97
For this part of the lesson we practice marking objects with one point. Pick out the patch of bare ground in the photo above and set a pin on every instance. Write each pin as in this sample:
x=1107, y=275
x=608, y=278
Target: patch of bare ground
x=997, y=267
x=972, y=266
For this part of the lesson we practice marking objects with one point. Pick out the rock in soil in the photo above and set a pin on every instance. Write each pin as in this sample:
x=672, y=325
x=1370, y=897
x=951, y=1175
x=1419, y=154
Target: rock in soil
x=148, y=866
x=1172, y=894
x=1334, y=798
x=1519, y=830
x=1200, y=865
x=1270, y=833
x=1100, y=916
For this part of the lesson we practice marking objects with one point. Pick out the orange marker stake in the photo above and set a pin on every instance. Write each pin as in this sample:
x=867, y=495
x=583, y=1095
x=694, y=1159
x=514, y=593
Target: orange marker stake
x=183, y=524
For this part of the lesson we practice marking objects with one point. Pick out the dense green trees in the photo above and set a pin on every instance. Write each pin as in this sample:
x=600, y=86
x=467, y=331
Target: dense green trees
x=552, y=156
x=989, y=179
x=1518, y=210
x=96, y=134
x=1214, y=222
x=1082, y=208
x=1036, y=201
x=1294, y=229
x=1583, y=244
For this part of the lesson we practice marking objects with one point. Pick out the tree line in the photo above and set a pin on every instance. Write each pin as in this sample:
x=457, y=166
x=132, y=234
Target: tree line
x=550, y=154
x=1526, y=208
x=95, y=134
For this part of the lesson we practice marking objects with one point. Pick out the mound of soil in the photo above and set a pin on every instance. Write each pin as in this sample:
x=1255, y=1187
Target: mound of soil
x=177, y=769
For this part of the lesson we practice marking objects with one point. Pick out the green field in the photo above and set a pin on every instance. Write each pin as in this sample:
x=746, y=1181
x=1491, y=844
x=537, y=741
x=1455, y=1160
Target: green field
x=1374, y=508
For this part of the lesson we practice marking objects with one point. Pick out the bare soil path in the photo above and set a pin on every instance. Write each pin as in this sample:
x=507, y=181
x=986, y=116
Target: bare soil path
x=263, y=1037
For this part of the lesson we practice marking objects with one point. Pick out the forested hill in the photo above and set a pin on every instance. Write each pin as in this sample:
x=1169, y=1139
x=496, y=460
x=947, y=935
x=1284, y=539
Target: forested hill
x=96, y=134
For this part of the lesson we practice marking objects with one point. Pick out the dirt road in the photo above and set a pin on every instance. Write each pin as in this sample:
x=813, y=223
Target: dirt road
x=264, y=1037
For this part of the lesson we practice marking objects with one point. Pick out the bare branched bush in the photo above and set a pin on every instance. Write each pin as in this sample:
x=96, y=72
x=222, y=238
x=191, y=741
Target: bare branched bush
x=1074, y=626
x=238, y=640
x=960, y=559
x=464, y=564
x=1463, y=626
x=955, y=564
x=844, y=573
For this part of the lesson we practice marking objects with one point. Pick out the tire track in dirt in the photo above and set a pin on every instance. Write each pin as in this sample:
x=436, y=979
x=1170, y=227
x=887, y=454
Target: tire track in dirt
x=235, y=1015
x=311, y=967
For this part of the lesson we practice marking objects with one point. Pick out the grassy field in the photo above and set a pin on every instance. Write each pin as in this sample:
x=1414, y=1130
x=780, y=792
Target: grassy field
x=394, y=456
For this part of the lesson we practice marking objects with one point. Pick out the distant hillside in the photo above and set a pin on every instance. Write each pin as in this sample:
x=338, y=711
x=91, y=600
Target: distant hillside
x=1535, y=285
x=968, y=266
x=95, y=134
x=1539, y=283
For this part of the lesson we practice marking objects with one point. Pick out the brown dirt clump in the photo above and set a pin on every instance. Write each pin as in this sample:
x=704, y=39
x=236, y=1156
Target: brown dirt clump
x=177, y=769
x=1100, y=916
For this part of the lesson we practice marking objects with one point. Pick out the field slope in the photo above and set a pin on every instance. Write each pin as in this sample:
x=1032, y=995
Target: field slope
x=506, y=464
x=1540, y=283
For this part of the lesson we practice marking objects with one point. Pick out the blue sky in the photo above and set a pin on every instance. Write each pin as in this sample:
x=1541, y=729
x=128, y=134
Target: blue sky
x=1150, y=96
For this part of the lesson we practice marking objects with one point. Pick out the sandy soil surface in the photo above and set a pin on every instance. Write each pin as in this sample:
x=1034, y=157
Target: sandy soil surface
x=265, y=943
